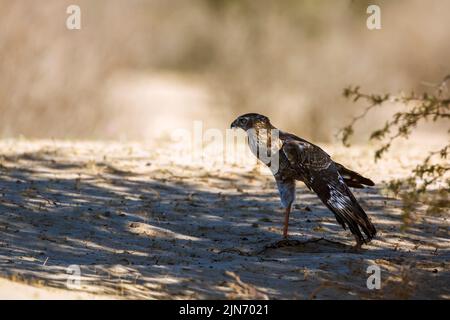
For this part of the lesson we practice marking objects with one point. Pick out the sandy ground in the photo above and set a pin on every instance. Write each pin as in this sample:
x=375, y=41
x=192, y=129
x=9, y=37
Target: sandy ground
x=139, y=225
x=13, y=290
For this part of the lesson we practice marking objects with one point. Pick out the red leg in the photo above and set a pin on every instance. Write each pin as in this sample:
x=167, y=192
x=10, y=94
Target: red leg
x=286, y=222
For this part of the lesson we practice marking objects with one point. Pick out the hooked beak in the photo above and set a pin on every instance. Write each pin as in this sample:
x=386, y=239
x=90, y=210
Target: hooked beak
x=234, y=125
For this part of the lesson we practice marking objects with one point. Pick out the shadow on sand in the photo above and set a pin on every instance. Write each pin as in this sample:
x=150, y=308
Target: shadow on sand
x=156, y=235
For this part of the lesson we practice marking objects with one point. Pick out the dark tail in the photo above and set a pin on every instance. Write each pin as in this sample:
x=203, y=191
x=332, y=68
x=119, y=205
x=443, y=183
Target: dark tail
x=337, y=197
x=363, y=220
x=352, y=178
x=348, y=212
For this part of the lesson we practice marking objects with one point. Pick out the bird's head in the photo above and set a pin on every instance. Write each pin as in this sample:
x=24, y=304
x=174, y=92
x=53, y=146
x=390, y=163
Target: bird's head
x=251, y=121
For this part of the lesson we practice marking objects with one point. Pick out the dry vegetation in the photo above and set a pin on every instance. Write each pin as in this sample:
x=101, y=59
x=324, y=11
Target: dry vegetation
x=429, y=181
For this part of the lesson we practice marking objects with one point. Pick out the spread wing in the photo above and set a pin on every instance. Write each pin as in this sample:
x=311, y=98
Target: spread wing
x=321, y=175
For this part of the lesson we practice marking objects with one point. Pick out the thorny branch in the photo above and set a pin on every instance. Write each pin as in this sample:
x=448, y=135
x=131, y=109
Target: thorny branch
x=434, y=169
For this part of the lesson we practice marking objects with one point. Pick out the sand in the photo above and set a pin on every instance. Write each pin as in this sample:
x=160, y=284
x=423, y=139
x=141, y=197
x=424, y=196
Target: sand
x=140, y=224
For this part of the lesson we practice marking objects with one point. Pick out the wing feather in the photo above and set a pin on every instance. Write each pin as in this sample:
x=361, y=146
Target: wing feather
x=320, y=173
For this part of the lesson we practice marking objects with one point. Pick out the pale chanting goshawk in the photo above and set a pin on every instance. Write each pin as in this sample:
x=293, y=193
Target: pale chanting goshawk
x=298, y=159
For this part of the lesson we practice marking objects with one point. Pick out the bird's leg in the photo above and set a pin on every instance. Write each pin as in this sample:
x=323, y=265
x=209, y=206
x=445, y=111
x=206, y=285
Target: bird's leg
x=287, y=196
x=286, y=222
x=285, y=242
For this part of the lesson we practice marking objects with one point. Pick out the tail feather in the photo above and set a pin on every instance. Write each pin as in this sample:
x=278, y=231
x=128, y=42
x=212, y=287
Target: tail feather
x=349, y=213
x=352, y=178
x=337, y=197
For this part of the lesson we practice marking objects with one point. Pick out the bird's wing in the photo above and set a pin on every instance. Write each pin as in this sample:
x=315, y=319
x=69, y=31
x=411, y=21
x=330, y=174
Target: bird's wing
x=305, y=156
x=320, y=174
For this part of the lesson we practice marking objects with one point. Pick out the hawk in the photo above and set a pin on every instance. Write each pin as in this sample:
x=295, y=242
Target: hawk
x=299, y=160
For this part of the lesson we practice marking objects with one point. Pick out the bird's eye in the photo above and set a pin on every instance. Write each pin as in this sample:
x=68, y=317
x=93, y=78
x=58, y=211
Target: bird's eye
x=243, y=121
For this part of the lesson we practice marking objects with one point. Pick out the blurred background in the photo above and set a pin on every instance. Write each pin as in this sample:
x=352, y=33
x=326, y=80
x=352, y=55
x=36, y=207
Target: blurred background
x=139, y=68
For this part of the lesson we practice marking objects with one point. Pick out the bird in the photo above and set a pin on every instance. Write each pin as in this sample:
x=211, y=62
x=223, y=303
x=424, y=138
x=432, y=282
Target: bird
x=291, y=159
